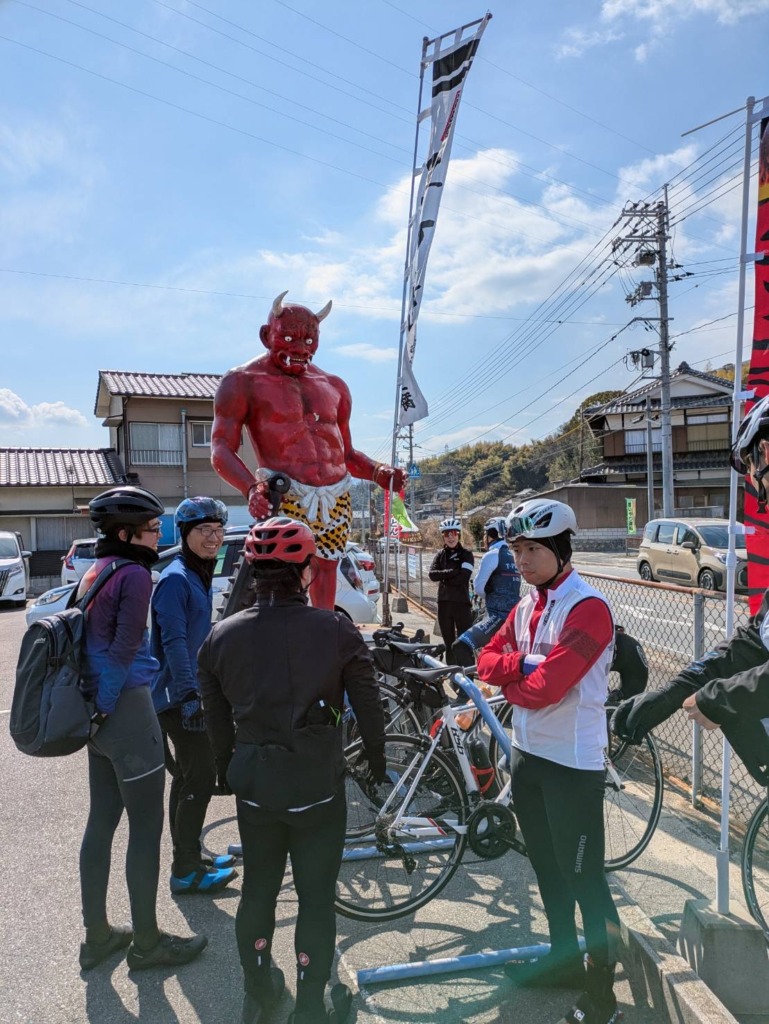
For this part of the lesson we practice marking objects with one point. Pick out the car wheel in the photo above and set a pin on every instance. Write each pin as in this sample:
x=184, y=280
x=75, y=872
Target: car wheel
x=707, y=580
x=645, y=572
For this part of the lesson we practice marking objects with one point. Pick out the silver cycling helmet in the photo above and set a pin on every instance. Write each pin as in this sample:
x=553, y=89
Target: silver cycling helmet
x=753, y=429
x=498, y=525
x=540, y=518
x=450, y=524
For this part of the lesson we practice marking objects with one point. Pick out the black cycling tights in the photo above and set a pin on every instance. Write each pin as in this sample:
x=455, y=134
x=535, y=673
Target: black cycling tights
x=560, y=811
x=126, y=771
x=315, y=840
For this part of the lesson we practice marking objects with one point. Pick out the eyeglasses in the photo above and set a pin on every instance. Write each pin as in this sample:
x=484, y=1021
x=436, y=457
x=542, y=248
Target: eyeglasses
x=451, y=533
x=210, y=531
x=152, y=529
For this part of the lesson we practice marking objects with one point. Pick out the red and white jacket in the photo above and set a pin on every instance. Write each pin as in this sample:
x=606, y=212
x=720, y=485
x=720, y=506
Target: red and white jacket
x=559, y=711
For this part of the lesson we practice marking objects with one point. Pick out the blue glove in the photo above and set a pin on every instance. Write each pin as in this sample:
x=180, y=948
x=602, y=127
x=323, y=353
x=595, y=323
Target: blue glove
x=192, y=714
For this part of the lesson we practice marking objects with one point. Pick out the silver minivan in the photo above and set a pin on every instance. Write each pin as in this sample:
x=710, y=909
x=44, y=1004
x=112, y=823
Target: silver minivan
x=691, y=553
x=13, y=571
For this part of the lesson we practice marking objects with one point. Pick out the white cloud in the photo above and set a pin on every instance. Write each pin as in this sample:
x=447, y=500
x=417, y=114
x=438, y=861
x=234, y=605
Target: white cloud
x=658, y=18
x=370, y=353
x=15, y=412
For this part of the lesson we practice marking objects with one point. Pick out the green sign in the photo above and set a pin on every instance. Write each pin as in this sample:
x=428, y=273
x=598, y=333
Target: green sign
x=630, y=505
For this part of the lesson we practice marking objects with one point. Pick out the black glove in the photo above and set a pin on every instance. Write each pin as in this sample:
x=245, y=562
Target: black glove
x=192, y=714
x=377, y=767
x=222, y=787
x=638, y=715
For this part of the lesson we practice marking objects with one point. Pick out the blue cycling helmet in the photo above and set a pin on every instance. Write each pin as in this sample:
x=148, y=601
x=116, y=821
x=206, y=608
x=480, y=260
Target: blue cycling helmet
x=200, y=510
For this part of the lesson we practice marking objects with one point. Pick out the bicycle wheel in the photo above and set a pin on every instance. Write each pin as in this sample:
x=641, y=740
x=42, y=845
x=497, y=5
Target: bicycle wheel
x=632, y=793
x=389, y=872
x=399, y=714
x=632, y=804
x=755, y=866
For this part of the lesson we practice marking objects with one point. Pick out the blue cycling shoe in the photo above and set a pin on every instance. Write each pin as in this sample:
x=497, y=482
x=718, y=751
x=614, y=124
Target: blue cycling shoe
x=203, y=880
x=224, y=860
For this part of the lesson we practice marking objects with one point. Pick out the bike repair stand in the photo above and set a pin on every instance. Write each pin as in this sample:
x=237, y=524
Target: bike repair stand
x=452, y=964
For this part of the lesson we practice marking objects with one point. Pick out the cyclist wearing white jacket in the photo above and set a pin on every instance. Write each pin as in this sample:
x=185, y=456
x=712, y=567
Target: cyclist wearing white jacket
x=552, y=659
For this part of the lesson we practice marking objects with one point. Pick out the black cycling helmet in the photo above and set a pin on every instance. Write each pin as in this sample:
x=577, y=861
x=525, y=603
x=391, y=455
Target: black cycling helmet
x=124, y=506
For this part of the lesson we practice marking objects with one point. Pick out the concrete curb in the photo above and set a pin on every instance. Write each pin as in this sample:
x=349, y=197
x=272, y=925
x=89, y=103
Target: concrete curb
x=659, y=976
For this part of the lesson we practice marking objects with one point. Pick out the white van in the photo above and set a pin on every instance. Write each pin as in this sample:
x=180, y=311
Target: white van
x=13, y=572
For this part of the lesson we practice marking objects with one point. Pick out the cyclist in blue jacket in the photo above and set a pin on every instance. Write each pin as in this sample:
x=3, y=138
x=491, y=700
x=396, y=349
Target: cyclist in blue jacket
x=181, y=619
x=498, y=582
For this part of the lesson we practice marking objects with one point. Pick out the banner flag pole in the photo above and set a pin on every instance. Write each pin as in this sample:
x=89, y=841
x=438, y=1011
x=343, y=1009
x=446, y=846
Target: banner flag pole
x=450, y=56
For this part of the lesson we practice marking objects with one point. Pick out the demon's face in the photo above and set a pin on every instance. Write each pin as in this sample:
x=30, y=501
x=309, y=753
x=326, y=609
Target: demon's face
x=291, y=335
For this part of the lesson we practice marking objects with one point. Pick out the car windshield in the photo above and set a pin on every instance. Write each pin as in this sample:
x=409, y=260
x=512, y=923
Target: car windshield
x=85, y=551
x=8, y=548
x=718, y=536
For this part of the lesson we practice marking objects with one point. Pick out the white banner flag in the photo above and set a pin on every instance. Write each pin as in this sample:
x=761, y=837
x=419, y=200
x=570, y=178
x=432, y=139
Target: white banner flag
x=451, y=59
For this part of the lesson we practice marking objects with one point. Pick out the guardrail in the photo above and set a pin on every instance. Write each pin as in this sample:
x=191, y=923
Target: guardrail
x=676, y=626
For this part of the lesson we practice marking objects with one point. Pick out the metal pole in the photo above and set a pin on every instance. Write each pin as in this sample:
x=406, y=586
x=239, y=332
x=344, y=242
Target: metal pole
x=386, y=618
x=453, y=502
x=411, y=463
x=722, y=857
x=699, y=650
x=668, y=502
x=649, y=462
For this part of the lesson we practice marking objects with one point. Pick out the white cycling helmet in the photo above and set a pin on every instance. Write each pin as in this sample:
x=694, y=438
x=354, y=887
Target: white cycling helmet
x=498, y=524
x=753, y=429
x=450, y=524
x=540, y=518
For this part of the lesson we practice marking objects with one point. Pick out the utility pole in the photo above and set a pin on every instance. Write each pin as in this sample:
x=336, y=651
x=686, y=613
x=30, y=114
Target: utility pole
x=653, y=251
x=411, y=463
x=662, y=292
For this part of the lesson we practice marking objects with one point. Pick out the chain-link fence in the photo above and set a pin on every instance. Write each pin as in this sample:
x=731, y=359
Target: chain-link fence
x=676, y=625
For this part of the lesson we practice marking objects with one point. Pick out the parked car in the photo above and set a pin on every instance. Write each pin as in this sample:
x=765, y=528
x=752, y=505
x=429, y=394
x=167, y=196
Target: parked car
x=366, y=567
x=691, y=552
x=13, y=569
x=79, y=558
x=351, y=594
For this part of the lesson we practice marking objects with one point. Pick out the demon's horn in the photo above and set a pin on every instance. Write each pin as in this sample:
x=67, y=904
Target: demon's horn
x=324, y=312
x=277, y=306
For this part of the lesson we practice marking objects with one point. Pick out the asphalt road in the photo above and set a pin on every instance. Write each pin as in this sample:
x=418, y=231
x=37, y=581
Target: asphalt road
x=489, y=905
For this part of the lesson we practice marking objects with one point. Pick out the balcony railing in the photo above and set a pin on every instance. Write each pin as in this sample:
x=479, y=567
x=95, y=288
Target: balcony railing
x=155, y=457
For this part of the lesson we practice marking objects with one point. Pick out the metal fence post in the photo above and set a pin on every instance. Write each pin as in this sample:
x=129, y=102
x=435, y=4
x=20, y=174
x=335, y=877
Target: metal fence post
x=699, y=650
x=421, y=581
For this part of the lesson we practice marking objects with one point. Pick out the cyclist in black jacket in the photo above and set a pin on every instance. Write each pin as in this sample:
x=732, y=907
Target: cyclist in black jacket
x=273, y=680
x=451, y=569
x=729, y=687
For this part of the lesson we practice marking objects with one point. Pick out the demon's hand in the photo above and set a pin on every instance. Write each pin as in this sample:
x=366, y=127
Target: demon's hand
x=388, y=477
x=259, y=500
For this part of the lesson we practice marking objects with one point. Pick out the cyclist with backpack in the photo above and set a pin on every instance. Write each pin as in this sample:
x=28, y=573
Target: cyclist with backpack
x=273, y=679
x=126, y=768
x=498, y=583
x=451, y=569
x=181, y=619
x=552, y=658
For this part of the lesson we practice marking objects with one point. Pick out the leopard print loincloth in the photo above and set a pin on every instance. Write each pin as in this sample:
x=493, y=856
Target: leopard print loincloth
x=330, y=537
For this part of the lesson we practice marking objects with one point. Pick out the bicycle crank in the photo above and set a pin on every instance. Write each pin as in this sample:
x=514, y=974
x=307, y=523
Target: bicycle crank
x=491, y=831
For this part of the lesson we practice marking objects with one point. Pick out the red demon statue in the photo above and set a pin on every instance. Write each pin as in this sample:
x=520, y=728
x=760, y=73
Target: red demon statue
x=298, y=419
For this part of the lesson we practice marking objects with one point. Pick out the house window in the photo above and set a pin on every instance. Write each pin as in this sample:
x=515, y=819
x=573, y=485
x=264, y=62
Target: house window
x=201, y=434
x=156, y=444
x=635, y=440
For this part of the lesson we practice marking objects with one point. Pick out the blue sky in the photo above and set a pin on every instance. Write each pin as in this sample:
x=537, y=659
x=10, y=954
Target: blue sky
x=205, y=156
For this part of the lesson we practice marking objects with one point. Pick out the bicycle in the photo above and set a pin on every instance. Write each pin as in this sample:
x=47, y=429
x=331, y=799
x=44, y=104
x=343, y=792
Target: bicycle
x=406, y=838
x=755, y=866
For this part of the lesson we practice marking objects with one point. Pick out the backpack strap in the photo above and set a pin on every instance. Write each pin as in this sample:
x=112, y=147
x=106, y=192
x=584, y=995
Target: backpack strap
x=108, y=571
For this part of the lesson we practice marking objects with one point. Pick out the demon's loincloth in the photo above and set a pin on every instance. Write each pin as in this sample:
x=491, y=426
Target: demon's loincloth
x=326, y=510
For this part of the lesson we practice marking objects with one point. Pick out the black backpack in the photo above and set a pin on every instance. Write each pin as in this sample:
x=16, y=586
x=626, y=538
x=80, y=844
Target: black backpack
x=50, y=715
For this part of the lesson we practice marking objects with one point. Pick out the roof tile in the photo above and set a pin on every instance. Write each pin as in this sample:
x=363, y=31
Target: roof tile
x=55, y=467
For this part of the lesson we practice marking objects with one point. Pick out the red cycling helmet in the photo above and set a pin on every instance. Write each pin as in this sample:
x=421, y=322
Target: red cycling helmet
x=281, y=538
